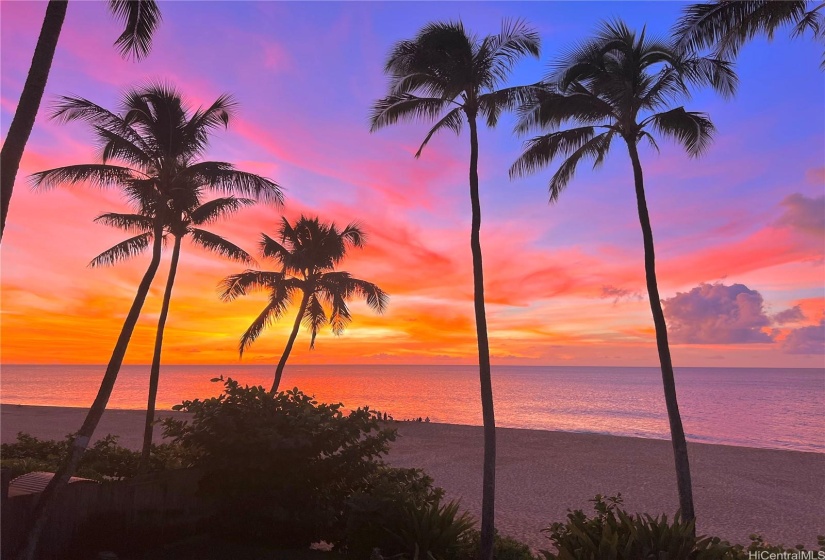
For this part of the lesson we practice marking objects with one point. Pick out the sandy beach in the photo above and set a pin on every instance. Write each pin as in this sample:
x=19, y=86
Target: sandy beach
x=540, y=474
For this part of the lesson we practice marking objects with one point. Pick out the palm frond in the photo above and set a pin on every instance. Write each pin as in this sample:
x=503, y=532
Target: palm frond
x=273, y=249
x=353, y=234
x=314, y=318
x=515, y=41
x=453, y=120
x=261, y=322
x=708, y=71
x=140, y=19
x=220, y=246
x=213, y=210
x=725, y=25
x=238, y=285
x=100, y=175
x=540, y=151
x=549, y=108
x=693, y=130
x=491, y=105
x=127, y=222
x=223, y=177
x=122, y=251
x=596, y=149
x=395, y=108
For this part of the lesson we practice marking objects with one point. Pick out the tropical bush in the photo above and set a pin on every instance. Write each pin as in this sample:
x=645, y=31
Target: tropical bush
x=105, y=460
x=433, y=531
x=613, y=533
x=504, y=548
x=280, y=466
x=377, y=509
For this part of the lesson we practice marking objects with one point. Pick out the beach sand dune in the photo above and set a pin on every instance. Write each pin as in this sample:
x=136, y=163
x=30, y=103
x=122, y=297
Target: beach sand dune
x=540, y=474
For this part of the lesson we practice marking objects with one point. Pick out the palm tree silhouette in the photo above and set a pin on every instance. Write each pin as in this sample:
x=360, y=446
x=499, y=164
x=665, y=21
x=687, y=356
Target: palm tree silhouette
x=445, y=72
x=619, y=85
x=184, y=214
x=157, y=142
x=725, y=25
x=140, y=18
x=308, y=253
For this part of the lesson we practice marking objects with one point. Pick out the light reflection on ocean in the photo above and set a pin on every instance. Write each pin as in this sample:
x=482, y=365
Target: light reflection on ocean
x=772, y=408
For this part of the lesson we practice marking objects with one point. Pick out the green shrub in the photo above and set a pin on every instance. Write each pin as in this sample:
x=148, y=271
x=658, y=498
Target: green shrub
x=615, y=534
x=105, y=460
x=433, y=531
x=280, y=466
x=504, y=548
x=380, y=505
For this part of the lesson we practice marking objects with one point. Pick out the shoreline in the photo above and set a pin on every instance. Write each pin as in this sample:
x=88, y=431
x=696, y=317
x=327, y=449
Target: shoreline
x=70, y=410
x=779, y=494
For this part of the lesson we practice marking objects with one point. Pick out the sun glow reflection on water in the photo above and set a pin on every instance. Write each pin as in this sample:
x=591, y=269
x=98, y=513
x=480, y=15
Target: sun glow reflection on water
x=774, y=408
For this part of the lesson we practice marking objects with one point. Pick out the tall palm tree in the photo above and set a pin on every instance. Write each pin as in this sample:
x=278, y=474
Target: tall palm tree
x=447, y=74
x=620, y=85
x=308, y=253
x=184, y=214
x=725, y=25
x=140, y=18
x=151, y=150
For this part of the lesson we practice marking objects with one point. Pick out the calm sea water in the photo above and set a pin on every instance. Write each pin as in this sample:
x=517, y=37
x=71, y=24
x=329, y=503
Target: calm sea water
x=772, y=408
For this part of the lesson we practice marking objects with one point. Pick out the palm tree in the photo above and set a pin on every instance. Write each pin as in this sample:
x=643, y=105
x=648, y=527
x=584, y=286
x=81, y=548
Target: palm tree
x=157, y=143
x=725, y=25
x=183, y=217
x=308, y=253
x=140, y=18
x=621, y=85
x=448, y=75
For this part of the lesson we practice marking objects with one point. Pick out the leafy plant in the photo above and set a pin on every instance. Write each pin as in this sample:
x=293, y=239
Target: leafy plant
x=280, y=466
x=615, y=534
x=105, y=460
x=381, y=506
x=433, y=531
x=504, y=548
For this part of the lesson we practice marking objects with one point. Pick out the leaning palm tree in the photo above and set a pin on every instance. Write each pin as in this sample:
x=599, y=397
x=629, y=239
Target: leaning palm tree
x=150, y=150
x=448, y=75
x=182, y=218
x=620, y=85
x=725, y=25
x=308, y=253
x=140, y=18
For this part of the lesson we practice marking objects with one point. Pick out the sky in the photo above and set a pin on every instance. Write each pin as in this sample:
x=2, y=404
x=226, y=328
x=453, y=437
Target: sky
x=739, y=232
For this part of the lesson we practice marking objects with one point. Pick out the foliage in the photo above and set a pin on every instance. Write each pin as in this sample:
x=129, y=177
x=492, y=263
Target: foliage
x=380, y=505
x=433, y=531
x=614, y=533
x=105, y=460
x=504, y=548
x=280, y=466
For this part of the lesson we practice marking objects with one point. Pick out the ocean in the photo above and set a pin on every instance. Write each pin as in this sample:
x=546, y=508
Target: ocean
x=752, y=407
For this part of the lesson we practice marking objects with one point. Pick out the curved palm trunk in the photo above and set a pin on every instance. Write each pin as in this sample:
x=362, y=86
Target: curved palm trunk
x=26, y=112
x=282, y=363
x=154, y=374
x=677, y=433
x=40, y=516
x=488, y=494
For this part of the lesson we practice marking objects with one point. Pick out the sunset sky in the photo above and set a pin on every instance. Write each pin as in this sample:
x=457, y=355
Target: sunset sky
x=739, y=232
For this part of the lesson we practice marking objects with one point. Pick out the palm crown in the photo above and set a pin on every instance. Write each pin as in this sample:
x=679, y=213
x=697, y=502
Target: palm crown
x=157, y=142
x=616, y=84
x=308, y=253
x=445, y=67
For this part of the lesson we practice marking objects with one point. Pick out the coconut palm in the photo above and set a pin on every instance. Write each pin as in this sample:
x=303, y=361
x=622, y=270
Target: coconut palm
x=184, y=214
x=151, y=150
x=725, y=25
x=140, y=18
x=447, y=75
x=620, y=85
x=308, y=253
